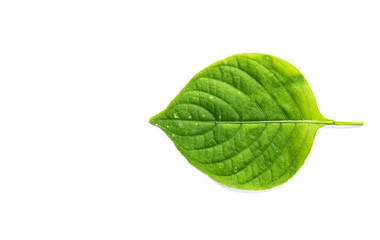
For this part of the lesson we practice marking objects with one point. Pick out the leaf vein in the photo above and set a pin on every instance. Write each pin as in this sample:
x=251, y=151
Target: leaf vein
x=239, y=90
x=254, y=79
x=291, y=96
x=242, y=150
x=286, y=145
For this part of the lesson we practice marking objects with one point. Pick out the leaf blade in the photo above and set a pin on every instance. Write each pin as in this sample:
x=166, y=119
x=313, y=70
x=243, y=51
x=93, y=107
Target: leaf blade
x=247, y=121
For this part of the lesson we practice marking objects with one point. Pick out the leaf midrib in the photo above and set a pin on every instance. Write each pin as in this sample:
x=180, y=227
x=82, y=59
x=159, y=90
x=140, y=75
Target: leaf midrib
x=329, y=122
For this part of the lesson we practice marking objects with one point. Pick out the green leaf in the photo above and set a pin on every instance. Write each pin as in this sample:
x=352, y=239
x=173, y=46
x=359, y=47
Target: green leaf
x=247, y=121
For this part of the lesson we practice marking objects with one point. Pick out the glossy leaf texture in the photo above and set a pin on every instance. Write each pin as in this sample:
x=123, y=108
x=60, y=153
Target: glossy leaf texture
x=247, y=121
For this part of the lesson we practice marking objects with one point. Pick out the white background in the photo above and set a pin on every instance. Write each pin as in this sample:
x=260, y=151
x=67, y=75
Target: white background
x=79, y=81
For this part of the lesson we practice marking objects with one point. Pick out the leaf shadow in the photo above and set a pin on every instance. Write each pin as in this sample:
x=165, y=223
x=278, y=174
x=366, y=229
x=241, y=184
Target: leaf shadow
x=342, y=127
x=247, y=191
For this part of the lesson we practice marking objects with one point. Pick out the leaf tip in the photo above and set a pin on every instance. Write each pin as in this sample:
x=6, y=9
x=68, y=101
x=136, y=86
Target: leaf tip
x=153, y=120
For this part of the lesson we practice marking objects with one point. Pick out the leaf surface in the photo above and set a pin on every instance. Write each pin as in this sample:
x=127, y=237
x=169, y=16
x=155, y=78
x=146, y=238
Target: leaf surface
x=247, y=121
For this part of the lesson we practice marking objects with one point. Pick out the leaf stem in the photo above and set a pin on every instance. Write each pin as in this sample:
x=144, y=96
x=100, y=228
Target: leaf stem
x=348, y=123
